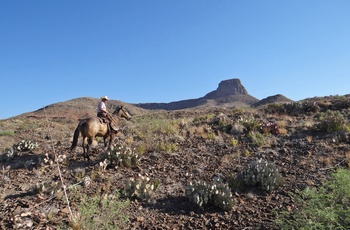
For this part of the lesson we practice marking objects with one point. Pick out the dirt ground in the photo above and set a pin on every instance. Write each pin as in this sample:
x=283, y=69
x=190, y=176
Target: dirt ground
x=302, y=157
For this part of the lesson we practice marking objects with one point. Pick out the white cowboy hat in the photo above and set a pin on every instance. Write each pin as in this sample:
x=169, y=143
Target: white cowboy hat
x=104, y=97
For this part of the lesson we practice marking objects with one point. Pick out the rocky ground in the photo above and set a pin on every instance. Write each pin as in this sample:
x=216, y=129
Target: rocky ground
x=32, y=197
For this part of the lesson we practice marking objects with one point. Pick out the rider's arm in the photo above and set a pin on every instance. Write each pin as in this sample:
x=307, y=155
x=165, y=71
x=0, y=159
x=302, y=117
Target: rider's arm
x=103, y=108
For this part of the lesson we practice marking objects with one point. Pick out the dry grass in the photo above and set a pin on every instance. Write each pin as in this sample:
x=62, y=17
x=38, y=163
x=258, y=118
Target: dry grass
x=308, y=138
x=326, y=160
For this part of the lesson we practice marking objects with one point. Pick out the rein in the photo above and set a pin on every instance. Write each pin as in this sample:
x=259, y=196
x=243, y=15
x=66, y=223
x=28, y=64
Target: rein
x=111, y=118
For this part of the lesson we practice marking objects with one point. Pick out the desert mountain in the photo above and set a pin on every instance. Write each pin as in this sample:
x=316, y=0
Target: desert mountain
x=273, y=99
x=230, y=93
x=79, y=108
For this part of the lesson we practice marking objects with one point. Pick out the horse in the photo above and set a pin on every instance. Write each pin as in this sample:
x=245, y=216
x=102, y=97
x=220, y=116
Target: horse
x=93, y=127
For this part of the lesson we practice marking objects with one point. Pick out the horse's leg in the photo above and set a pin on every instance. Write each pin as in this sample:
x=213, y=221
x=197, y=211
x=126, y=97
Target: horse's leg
x=87, y=152
x=110, y=139
x=104, y=141
x=90, y=141
x=84, y=150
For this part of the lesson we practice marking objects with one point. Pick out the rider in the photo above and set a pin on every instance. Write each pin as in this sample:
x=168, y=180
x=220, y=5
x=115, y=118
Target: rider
x=102, y=110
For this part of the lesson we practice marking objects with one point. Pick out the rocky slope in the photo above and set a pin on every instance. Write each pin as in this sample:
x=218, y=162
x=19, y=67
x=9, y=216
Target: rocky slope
x=279, y=98
x=202, y=144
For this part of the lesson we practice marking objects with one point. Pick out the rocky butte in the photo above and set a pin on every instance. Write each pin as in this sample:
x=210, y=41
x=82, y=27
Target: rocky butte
x=227, y=88
x=229, y=92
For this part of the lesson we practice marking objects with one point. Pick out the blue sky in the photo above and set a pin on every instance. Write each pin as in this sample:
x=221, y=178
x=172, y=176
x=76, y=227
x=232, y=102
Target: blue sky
x=162, y=51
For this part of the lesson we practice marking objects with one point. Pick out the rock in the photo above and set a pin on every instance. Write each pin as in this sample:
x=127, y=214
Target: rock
x=227, y=88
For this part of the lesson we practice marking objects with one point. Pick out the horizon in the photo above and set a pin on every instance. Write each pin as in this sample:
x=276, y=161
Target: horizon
x=163, y=51
x=170, y=101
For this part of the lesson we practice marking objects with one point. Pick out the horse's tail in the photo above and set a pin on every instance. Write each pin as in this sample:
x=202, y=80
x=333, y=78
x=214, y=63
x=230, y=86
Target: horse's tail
x=76, y=136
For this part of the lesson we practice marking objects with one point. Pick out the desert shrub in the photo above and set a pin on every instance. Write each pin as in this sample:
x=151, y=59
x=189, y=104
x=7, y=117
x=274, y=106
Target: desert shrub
x=282, y=127
x=261, y=173
x=250, y=124
x=28, y=124
x=106, y=212
x=246, y=152
x=141, y=188
x=203, y=118
x=210, y=134
x=331, y=121
x=340, y=103
x=270, y=127
x=233, y=142
x=293, y=109
x=203, y=131
x=150, y=130
x=221, y=119
x=152, y=123
x=205, y=194
x=235, y=182
x=327, y=207
x=167, y=147
x=6, y=133
x=48, y=188
x=236, y=128
x=256, y=138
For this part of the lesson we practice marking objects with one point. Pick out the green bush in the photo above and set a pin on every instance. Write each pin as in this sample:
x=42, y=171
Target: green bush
x=331, y=121
x=6, y=133
x=250, y=124
x=293, y=109
x=327, y=207
x=105, y=212
x=256, y=138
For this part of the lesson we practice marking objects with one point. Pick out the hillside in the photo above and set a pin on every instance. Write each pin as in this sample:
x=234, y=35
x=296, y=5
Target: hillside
x=174, y=148
x=229, y=94
x=79, y=108
x=279, y=98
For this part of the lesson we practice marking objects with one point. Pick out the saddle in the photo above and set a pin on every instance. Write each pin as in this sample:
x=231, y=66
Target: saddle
x=105, y=120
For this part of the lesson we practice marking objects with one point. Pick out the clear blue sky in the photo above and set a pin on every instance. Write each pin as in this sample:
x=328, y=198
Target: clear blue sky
x=162, y=51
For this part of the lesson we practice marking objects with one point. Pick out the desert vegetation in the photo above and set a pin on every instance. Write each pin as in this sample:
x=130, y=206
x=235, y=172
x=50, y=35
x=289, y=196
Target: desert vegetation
x=278, y=166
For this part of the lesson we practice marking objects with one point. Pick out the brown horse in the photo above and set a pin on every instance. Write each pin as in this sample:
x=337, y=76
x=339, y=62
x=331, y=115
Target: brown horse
x=93, y=127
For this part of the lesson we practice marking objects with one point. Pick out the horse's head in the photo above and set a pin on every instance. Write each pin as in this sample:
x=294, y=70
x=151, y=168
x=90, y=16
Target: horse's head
x=122, y=112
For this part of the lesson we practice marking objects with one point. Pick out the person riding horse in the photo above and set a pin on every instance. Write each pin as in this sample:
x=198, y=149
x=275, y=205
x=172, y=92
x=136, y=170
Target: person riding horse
x=102, y=110
x=103, y=114
x=93, y=127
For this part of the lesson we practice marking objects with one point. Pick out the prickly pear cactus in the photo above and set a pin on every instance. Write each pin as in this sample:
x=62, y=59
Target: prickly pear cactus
x=26, y=145
x=222, y=196
x=141, y=188
x=9, y=153
x=47, y=188
x=22, y=146
x=199, y=192
x=121, y=155
x=204, y=194
x=262, y=173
